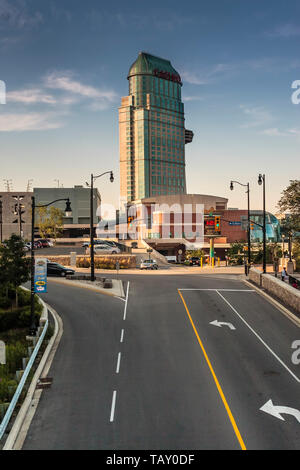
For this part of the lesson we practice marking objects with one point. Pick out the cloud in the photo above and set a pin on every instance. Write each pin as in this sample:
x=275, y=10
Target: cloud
x=193, y=98
x=257, y=115
x=17, y=15
x=275, y=132
x=210, y=74
x=287, y=30
x=64, y=81
x=30, y=96
x=29, y=122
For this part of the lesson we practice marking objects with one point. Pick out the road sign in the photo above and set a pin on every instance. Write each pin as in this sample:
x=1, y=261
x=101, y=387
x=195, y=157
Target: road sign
x=235, y=222
x=40, y=275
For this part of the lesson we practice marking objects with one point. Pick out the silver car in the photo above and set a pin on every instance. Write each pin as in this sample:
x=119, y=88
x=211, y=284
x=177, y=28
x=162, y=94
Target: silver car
x=106, y=250
x=149, y=264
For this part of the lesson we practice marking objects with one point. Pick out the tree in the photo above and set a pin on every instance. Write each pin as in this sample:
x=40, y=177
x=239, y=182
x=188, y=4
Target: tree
x=50, y=221
x=14, y=266
x=290, y=203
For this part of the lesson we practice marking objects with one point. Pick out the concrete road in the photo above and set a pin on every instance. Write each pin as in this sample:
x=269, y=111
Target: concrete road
x=161, y=372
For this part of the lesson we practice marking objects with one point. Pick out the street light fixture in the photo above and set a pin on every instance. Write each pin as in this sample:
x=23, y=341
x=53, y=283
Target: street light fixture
x=262, y=181
x=68, y=213
x=249, y=228
x=93, y=178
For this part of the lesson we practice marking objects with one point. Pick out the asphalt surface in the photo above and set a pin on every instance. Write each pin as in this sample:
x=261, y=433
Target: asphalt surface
x=154, y=373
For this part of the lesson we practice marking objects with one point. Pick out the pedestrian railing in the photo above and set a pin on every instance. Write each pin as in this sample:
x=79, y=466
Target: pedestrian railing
x=19, y=389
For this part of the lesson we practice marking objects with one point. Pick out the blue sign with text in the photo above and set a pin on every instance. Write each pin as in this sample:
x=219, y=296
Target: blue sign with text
x=40, y=276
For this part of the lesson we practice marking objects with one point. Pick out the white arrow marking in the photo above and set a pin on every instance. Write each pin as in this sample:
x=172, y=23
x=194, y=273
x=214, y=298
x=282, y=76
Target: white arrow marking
x=220, y=324
x=276, y=411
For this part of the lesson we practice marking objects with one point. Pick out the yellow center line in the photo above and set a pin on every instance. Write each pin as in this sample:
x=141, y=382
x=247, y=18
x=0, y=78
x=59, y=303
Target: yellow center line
x=232, y=420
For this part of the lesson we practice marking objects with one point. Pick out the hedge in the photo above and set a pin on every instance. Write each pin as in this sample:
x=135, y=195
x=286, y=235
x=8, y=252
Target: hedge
x=107, y=262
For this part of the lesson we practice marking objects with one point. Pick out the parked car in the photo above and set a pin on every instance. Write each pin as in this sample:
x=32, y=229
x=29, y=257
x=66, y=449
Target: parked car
x=45, y=242
x=99, y=242
x=55, y=269
x=149, y=264
x=194, y=261
x=37, y=244
x=106, y=249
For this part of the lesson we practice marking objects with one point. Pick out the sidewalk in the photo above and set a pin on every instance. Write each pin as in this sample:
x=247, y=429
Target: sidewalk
x=169, y=270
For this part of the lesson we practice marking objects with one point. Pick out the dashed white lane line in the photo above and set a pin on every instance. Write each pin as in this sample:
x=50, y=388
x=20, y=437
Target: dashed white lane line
x=113, y=406
x=122, y=336
x=126, y=301
x=118, y=363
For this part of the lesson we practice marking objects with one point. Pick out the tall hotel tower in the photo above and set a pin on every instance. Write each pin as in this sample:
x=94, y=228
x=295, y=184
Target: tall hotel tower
x=152, y=131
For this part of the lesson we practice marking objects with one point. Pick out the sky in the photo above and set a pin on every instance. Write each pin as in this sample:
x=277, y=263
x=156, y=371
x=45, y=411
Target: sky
x=65, y=63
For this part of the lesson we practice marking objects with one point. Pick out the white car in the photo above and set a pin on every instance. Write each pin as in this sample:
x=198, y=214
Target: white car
x=149, y=264
x=106, y=250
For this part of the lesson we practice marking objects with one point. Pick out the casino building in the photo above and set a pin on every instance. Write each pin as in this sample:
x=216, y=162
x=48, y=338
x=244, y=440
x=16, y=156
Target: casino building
x=152, y=131
x=152, y=139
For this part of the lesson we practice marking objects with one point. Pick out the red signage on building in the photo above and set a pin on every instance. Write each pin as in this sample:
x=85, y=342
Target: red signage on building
x=167, y=75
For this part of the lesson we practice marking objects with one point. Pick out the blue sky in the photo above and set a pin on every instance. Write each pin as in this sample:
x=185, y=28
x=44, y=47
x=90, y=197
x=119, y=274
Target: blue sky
x=65, y=65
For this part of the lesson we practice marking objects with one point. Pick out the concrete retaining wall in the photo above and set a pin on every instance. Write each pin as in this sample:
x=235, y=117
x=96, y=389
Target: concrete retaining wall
x=255, y=276
x=287, y=294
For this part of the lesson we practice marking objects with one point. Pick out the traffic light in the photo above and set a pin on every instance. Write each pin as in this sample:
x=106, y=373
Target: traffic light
x=251, y=226
x=130, y=219
x=217, y=223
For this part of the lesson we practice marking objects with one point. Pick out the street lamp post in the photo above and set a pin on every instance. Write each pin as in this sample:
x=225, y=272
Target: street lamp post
x=1, y=220
x=262, y=181
x=248, y=201
x=93, y=178
x=283, y=237
x=68, y=211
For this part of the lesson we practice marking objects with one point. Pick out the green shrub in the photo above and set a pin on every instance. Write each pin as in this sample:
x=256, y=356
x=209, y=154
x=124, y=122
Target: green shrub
x=4, y=302
x=7, y=389
x=14, y=354
x=19, y=317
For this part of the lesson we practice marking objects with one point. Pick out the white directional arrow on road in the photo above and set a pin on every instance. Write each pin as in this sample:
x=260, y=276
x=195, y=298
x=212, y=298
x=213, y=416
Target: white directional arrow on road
x=220, y=324
x=276, y=411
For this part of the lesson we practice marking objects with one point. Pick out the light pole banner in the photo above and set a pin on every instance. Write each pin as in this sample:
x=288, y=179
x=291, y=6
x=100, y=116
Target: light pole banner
x=40, y=275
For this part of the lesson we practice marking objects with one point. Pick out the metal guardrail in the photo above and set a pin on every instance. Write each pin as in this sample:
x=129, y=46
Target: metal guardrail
x=19, y=389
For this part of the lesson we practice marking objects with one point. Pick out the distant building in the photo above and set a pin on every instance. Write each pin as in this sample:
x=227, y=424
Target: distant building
x=152, y=131
x=79, y=224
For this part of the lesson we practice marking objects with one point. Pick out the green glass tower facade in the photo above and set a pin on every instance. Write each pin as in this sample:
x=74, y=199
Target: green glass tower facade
x=152, y=131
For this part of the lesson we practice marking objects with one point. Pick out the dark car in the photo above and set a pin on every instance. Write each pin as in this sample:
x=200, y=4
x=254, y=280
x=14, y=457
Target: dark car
x=195, y=261
x=55, y=269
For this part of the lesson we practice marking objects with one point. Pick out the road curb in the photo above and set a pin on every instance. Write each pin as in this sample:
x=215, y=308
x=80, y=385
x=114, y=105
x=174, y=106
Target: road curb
x=280, y=307
x=22, y=422
x=117, y=290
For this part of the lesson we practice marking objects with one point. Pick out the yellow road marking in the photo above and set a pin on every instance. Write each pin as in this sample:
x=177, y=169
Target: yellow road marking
x=232, y=420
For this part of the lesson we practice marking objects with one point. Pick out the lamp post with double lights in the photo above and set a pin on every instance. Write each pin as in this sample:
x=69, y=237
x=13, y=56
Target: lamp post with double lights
x=18, y=210
x=249, y=228
x=93, y=178
x=68, y=213
x=262, y=181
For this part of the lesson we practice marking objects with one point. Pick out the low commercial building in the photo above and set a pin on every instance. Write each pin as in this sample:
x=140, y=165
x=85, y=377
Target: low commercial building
x=175, y=223
x=78, y=225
